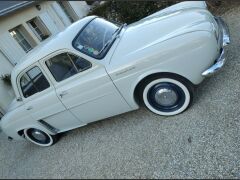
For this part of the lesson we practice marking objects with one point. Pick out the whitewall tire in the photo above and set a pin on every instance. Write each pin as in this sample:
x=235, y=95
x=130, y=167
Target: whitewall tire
x=166, y=96
x=40, y=137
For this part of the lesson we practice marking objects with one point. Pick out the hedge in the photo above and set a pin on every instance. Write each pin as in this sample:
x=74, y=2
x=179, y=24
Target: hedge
x=129, y=11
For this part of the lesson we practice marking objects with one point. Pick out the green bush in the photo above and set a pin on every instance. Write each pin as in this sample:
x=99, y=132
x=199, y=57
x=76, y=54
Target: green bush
x=129, y=11
x=6, y=79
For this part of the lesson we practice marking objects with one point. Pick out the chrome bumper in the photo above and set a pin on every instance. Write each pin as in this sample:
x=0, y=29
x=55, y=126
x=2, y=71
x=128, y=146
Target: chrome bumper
x=224, y=40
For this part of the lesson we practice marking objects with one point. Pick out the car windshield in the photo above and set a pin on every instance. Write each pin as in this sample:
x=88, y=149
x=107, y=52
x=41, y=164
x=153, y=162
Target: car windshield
x=96, y=38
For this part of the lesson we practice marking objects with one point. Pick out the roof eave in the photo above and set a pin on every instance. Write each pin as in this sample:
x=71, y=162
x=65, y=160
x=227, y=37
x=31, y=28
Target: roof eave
x=16, y=7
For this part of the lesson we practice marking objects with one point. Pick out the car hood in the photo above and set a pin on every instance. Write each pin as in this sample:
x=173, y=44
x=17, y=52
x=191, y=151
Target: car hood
x=158, y=28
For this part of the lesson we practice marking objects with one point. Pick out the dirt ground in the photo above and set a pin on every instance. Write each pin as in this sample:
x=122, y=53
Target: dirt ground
x=203, y=142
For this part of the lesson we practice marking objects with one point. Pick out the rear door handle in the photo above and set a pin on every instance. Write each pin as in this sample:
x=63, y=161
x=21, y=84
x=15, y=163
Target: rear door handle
x=63, y=94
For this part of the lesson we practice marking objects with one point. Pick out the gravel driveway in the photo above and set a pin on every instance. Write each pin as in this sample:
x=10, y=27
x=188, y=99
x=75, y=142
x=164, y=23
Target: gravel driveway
x=203, y=142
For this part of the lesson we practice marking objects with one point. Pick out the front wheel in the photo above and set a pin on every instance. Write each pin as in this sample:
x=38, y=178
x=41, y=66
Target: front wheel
x=40, y=137
x=167, y=96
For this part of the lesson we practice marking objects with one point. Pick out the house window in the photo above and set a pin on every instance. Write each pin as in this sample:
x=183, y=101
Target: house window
x=68, y=11
x=39, y=28
x=18, y=34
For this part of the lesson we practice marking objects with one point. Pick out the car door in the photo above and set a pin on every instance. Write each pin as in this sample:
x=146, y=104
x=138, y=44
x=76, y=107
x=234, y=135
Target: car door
x=85, y=88
x=41, y=101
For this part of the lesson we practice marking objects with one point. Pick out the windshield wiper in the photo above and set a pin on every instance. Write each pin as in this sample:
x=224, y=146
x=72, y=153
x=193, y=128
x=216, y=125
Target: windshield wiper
x=115, y=35
x=119, y=29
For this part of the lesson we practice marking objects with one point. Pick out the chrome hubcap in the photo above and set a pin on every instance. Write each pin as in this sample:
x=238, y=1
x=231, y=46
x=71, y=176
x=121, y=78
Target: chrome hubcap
x=39, y=135
x=166, y=97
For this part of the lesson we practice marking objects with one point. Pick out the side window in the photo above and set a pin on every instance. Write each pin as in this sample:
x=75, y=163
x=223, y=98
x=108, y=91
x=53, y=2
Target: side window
x=80, y=63
x=66, y=65
x=33, y=81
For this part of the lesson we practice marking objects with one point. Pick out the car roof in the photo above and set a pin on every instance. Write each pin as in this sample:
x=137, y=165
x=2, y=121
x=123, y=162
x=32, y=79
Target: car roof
x=59, y=41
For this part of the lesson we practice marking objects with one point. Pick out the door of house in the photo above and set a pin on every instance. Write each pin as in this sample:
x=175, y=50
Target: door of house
x=61, y=14
x=49, y=22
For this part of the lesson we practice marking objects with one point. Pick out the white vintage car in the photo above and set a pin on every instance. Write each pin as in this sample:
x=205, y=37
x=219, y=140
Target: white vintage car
x=96, y=69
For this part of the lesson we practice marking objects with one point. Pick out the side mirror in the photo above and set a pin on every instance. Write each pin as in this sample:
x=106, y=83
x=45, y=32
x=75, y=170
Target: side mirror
x=19, y=99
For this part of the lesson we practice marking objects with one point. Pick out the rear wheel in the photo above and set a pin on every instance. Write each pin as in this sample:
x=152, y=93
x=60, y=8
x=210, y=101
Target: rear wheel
x=167, y=96
x=40, y=137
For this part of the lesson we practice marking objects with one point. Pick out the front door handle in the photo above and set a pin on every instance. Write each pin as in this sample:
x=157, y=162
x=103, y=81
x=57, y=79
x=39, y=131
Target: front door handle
x=63, y=94
x=29, y=108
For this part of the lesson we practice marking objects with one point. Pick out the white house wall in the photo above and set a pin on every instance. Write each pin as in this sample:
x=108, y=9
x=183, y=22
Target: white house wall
x=47, y=14
x=6, y=96
x=80, y=7
x=13, y=52
x=10, y=47
x=6, y=92
x=7, y=44
x=5, y=66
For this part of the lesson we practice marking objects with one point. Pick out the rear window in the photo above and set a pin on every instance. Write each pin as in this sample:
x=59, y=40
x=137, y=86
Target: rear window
x=33, y=81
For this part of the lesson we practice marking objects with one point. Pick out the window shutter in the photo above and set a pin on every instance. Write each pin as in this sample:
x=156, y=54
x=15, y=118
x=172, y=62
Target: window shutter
x=49, y=23
x=11, y=48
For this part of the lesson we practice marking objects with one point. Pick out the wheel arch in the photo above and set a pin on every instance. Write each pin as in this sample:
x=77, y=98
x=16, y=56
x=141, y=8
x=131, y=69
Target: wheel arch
x=36, y=126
